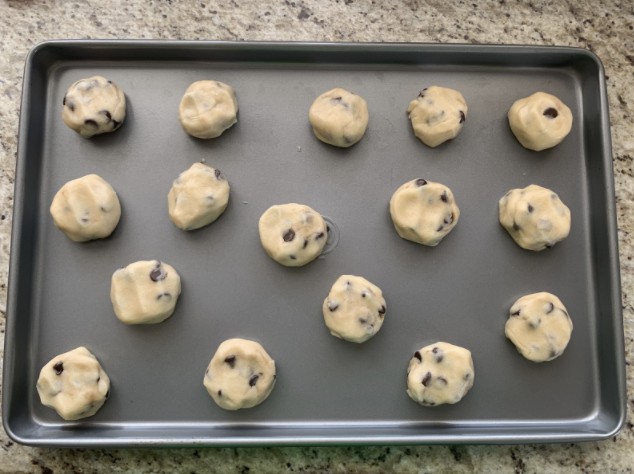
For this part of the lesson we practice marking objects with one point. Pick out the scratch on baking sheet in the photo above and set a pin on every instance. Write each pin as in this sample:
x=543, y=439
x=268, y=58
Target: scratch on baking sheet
x=299, y=148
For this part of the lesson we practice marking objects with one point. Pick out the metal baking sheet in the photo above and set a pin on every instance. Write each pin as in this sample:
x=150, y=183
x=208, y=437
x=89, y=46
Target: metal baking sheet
x=329, y=392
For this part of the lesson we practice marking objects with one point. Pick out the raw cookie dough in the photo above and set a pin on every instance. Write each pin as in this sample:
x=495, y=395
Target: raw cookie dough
x=540, y=121
x=354, y=309
x=207, y=109
x=86, y=208
x=145, y=292
x=437, y=115
x=240, y=375
x=535, y=217
x=74, y=384
x=292, y=234
x=539, y=326
x=198, y=197
x=339, y=117
x=93, y=106
x=440, y=373
x=424, y=211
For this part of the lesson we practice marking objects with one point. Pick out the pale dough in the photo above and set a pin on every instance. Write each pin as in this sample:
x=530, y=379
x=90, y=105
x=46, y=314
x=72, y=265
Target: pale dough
x=207, y=109
x=354, y=309
x=293, y=234
x=145, y=292
x=93, y=106
x=240, y=375
x=540, y=121
x=437, y=115
x=74, y=384
x=198, y=197
x=535, y=217
x=339, y=117
x=539, y=326
x=86, y=208
x=440, y=373
x=423, y=211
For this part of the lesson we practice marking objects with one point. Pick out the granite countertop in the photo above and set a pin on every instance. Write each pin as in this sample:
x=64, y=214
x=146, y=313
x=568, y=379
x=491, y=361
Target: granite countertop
x=604, y=27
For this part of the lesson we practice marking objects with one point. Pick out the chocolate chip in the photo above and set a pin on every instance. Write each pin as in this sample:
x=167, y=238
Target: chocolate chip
x=253, y=380
x=289, y=235
x=426, y=379
x=515, y=226
x=98, y=379
x=110, y=82
x=418, y=356
x=332, y=305
x=274, y=376
x=220, y=393
x=533, y=325
x=550, y=112
x=435, y=350
x=466, y=376
x=516, y=313
x=444, y=197
x=64, y=101
x=552, y=353
x=530, y=208
x=107, y=114
x=327, y=228
x=565, y=313
x=59, y=368
x=462, y=117
x=116, y=123
x=83, y=219
x=448, y=219
x=91, y=122
x=305, y=243
x=166, y=295
x=218, y=174
x=442, y=379
x=363, y=293
x=421, y=94
x=551, y=308
x=293, y=257
x=337, y=99
x=440, y=228
x=363, y=320
x=71, y=104
x=108, y=393
x=231, y=360
x=382, y=310
x=548, y=246
x=157, y=274
x=439, y=358
x=319, y=235
x=420, y=182
x=207, y=371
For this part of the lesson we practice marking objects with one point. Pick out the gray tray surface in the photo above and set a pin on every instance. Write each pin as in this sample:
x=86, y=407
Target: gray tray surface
x=328, y=391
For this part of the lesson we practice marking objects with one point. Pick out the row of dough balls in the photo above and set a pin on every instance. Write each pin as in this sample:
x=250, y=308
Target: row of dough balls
x=294, y=234
x=241, y=374
x=96, y=105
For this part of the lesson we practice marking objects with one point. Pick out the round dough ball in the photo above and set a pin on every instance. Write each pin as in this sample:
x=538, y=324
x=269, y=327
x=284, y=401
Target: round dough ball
x=145, y=292
x=93, y=106
x=424, y=211
x=293, y=234
x=540, y=121
x=535, y=217
x=240, y=375
x=354, y=309
x=86, y=209
x=207, y=109
x=539, y=326
x=74, y=384
x=440, y=373
x=198, y=197
x=339, y=117
x=437, y=115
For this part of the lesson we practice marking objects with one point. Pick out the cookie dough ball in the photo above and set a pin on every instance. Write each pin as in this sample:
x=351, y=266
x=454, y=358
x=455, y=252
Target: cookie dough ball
x=93, y=106
x=440, y=373
x=424, y=211
x=145, y=292
x=74, y=384
x=437, y=115
x=198, y=197
x=207, y=109
x=354, y=309
x=293, y=234
x=339, y=117
x=535, y=217
x=240, y=375
x=86, y=209
x=539, y=326
x=540, y=121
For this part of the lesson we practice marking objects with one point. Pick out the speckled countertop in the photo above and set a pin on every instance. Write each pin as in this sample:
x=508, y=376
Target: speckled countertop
x=605, y=27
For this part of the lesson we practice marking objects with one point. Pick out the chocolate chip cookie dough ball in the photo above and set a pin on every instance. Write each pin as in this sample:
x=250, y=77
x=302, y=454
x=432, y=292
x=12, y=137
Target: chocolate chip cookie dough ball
x=539, y=326
x=240, y=375
x=74, y=384
x=207, y=109
x=535, y=217
x=145, y=292
x=198, y=197
x=440, y=373
x=93, y=106
x=354, y=309
x=292, y=234
x=540, y=121
x=437, y=115
x=424, y=212
x=339, y=117
x=86, y=209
